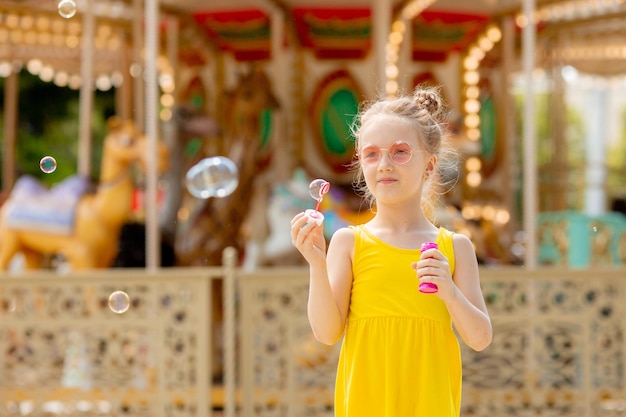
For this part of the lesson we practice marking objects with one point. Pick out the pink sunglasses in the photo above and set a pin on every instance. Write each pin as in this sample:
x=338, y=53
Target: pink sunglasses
x=399, y=152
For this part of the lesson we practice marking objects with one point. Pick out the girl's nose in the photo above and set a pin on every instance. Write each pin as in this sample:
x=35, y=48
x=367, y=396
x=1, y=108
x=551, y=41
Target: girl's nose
x=385, y=163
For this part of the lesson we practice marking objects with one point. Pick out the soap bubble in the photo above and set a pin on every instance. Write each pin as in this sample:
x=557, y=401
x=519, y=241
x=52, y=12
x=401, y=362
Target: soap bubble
x=48, y=164
x=318, y=188
x=216, y=176
x=119, y=302
x=67, y=8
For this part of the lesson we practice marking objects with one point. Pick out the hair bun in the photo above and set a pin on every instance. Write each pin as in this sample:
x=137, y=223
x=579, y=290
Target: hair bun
x=428, y=100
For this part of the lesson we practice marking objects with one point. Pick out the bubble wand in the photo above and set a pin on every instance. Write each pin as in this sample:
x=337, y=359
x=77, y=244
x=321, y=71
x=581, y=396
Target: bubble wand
x=317, y=189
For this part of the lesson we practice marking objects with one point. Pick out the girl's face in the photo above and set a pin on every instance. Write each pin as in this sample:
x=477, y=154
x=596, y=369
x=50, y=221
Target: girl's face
x=393, y=160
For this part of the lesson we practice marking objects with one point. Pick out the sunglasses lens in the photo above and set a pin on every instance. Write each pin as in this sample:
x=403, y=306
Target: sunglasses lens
x=370, y=154
x=400, y=152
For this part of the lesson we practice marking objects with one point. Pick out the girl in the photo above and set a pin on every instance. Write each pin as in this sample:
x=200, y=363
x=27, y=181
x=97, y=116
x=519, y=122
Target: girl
x=400, y=356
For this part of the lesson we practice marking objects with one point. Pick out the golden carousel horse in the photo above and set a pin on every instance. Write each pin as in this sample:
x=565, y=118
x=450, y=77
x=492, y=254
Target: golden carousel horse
x=83, y=227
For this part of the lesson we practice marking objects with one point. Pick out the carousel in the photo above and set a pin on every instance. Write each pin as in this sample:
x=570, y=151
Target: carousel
x=262, y=94
x=272, y=86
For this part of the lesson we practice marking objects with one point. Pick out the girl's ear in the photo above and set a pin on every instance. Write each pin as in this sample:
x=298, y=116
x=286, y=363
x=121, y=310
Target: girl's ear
x=430, y=166
x=432, y=163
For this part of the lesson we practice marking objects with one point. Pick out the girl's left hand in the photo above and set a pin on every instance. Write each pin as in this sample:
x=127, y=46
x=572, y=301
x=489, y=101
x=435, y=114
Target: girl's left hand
x=433, y=267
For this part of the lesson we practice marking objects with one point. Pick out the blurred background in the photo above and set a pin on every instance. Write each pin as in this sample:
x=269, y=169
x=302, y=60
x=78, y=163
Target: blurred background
x=108, y=107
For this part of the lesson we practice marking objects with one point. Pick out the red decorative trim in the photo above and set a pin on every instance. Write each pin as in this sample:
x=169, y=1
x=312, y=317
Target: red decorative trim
x=245, y=33
x=334, y=33
x=437, y=33
x=338, y=33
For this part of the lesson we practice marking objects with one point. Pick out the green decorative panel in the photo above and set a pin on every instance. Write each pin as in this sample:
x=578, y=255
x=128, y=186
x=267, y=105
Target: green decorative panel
x=335, y=104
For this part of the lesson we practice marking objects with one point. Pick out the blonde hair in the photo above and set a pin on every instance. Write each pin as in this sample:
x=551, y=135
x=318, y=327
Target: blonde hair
x=423, y=111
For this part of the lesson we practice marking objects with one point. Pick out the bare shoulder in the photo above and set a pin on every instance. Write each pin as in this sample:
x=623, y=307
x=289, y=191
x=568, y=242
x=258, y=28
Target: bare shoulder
x=344, y=232
x=462, y=242
x=463, y=248
x=343, y=238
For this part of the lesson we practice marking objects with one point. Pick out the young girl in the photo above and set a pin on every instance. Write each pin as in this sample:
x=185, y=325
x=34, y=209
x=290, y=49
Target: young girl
x=400, y=356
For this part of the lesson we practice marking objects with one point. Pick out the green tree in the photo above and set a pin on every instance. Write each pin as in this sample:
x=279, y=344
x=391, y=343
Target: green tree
x=616, y=163
x=546, y=148
x=48, y=125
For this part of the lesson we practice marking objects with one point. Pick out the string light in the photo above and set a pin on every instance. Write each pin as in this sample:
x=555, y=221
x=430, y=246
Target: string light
x=394, y=40
x=568, y=10
x=476, y=52
x=57, y=44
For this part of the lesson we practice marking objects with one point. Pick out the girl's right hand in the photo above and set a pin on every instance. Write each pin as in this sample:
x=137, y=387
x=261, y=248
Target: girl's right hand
x=308, y=238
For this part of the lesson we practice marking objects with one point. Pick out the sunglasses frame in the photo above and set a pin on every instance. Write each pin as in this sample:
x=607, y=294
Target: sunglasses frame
x=389, y=155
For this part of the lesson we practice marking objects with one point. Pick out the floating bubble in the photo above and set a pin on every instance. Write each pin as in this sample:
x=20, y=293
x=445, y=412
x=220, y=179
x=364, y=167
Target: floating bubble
x=48, y=164
x=318, y=188
x=119, y=302
x=67, y=8
x=216, y=176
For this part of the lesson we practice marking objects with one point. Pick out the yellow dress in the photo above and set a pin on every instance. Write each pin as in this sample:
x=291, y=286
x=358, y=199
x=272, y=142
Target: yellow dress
x=400, y=356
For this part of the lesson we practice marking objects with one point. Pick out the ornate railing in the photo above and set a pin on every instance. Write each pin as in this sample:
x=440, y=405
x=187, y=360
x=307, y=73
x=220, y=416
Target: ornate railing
x=559, y=346
x=64, y=351
x=558, y=349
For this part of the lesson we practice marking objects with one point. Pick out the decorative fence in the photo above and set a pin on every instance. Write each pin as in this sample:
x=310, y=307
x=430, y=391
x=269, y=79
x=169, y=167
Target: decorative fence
x=63, y=351
x=559, y=345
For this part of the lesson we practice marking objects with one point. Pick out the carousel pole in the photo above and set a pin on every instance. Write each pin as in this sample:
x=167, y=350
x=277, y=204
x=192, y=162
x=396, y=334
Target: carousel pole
x=405, y=55
x=86, y=92
x=279, y=73
x=152, y=133
x=529, y=137
x=169, y=214
x=11, y=98
x=530, y=178
x=595, y=145
x=123, y=94
x=559, y=172
x=137, y=67
x=508, y=117
x=381, y=13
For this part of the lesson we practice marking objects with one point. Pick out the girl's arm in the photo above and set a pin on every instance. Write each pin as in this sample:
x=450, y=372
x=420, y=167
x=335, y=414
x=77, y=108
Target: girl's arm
x=330, y=278
x=461, y=292
x=467, y=304
x=329, y=289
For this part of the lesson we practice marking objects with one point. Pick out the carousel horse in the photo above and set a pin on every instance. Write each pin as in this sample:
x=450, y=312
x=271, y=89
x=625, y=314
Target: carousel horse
x=216, y=223
x=189, y=135
x=207, y=227
x=341, y=207
x=70, y=221
x=268, y=228
x=188, y=127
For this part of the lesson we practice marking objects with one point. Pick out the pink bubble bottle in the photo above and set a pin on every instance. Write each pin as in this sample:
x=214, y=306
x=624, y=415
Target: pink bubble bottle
x=428, y=287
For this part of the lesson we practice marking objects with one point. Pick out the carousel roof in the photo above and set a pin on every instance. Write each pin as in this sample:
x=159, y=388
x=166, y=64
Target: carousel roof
x=590, y=32
x=337, y=29
x=343, y=29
